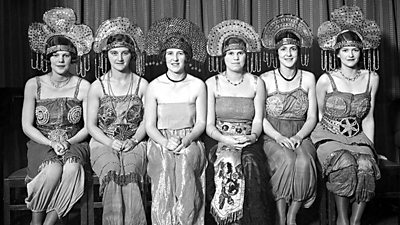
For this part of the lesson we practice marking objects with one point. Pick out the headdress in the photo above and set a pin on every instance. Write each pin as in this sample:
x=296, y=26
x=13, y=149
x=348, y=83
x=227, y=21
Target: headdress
x=114, y=26
x=228, y=29
x=349, y=18
x=279, y=25
x=176, y=33
x=60, y=22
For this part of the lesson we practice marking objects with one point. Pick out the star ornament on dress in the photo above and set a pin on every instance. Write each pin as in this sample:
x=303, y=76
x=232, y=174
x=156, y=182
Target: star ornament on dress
x=60, y=22
x=343, y=19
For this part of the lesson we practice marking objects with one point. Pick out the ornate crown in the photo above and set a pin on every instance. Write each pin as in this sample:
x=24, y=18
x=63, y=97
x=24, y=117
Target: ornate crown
x=349, y=18
x=286, y=23
x=110, y=27
x=60, y=22
x=233, y=28
x=163, y=32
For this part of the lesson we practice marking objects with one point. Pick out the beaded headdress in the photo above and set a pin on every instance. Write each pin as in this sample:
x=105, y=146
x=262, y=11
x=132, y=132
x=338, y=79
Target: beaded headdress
x=343, y=19
x=176, y=33
x=60, y=22
x=228, y=29
x=281, y=24
x=114, y=26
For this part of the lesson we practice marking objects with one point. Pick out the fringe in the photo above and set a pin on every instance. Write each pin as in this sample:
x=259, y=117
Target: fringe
x=232, y=217
x=121, y=180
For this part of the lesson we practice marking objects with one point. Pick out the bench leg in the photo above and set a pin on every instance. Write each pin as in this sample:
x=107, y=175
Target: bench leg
x=6, y=204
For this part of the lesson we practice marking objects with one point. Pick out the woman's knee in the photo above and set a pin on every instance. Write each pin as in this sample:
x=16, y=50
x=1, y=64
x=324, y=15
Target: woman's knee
x=364, y=163
x=52, y=172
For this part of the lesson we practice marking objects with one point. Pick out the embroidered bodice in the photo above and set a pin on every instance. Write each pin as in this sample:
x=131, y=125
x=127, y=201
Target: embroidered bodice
x=58, y=118
x=290, y=105
x=120, y=116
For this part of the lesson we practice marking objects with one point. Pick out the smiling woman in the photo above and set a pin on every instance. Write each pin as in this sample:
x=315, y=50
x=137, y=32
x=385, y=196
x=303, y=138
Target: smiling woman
x=53, y=117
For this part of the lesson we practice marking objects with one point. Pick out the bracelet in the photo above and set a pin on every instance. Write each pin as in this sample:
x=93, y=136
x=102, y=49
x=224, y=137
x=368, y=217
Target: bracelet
x=136, y=141
x=256, y=136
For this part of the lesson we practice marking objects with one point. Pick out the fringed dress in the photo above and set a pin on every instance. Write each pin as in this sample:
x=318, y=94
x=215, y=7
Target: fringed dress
x=177, y=180
x=293, y=172
x=56, y=182
x=239, y=173
x=120, y=172
x=346, y=154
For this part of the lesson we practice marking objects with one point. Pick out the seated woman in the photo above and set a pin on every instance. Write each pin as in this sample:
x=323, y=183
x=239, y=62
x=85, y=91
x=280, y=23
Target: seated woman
x=291, y=115
x=346, y=99
x=115, y=121
x=234, y=119
x=175, y=119
x=53, y=117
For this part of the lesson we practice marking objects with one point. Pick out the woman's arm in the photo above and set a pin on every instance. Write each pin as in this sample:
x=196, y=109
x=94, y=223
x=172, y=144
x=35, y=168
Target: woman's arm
x=28, y=116
x=211, y=129
x=141, y=131
x=321, y=89
x=259, y=106
x=83, y=133
x=368, y=123
x=93, y=104
x=311, y=120
x=267, y=126
x=201, y=112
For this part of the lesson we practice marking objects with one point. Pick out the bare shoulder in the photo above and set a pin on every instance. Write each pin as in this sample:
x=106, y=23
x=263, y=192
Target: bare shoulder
x=267, y=75
x=308, y=77
x=210, y=82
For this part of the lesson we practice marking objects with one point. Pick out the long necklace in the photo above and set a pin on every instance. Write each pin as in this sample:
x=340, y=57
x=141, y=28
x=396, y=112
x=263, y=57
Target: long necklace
x=358, y=74
x=60, y=84
x=111, y=90
x=288, y=79
x=233, y=83
x=176, y=81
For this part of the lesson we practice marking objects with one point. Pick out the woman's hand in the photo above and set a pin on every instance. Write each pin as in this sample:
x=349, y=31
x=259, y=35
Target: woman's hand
x=128, y=144
x=296, y=140
x=172, y=143
x=58, y=148
x=116, y=145
x=185, y=142
x=284, y=142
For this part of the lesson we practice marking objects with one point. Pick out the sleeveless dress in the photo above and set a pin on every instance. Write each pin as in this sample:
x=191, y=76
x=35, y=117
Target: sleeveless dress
x=240, y=194
x=119, y=117
x=58, y=119
x=344, y=151
x=177, y=180
x=293, y=172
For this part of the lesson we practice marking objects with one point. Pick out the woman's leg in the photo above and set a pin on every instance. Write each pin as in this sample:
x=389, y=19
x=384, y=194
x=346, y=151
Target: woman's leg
x=292, y=212
x=342, y=207
x=356, y=213
x=281, y=206
x=37, y=218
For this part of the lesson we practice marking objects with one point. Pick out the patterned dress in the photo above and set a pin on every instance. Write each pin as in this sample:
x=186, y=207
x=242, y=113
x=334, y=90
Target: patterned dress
x=293, y=172
x=344, y=151
x=240, y=194
x=58, y=119
x=120, y=172
x=177, y=180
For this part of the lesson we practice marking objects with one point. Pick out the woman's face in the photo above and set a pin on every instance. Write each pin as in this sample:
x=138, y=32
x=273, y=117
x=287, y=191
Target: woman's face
x=175, y=60
x=235, y=60
x=287, y=55
x=119, y=58
x=349, y=56
x=60, y=61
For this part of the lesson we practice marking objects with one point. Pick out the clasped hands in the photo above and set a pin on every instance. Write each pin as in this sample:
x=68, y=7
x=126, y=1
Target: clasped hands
x=290, y=143
x=60, y=148
x=176, y=144
x=240, y=141
x=123, y=146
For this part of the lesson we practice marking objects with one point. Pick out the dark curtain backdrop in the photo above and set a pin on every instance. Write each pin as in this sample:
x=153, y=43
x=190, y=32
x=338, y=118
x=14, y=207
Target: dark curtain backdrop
x=17, y=15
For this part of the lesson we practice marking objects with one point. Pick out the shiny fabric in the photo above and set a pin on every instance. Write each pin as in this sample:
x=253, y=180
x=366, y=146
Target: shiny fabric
x=168, y=118
x=348, y=162
x=177, y=181
x=120, y=172
x=56, y=182
x=293, y=172
x=239, y=174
